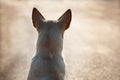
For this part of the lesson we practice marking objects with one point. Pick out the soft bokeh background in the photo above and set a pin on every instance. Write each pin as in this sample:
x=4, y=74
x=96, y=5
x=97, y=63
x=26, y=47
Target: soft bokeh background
x=91, y=45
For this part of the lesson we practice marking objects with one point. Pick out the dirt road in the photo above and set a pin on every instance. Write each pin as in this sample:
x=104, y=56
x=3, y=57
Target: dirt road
x=91, y=45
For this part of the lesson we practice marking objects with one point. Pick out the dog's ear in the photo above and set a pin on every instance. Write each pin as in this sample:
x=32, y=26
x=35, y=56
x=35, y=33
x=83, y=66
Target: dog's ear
x=37, y=18
x=65, y=19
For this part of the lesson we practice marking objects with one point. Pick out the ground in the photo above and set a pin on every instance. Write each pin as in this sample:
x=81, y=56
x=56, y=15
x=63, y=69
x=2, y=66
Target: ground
x=91, y=45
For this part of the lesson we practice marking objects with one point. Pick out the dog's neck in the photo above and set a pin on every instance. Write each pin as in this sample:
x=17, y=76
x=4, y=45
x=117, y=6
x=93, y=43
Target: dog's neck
x=49, y=44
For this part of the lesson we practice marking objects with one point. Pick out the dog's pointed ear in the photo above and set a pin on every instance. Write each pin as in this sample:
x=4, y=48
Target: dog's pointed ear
x=37, y=18
x=65, y=19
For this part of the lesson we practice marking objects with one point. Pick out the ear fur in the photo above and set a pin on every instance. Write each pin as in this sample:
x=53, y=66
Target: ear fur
x=37, y=18
x=65, y=19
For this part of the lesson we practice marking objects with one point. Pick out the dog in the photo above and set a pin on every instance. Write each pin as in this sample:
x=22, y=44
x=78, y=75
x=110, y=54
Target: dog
x=48, y=63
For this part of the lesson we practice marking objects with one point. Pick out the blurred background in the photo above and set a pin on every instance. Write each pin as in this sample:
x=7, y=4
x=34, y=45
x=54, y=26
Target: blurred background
x=91, y=44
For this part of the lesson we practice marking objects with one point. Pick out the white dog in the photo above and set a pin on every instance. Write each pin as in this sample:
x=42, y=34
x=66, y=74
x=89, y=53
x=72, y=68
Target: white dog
x=48, y=63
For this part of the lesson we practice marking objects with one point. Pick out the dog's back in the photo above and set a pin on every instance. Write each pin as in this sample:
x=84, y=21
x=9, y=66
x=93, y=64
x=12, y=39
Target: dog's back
x=48, y=63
